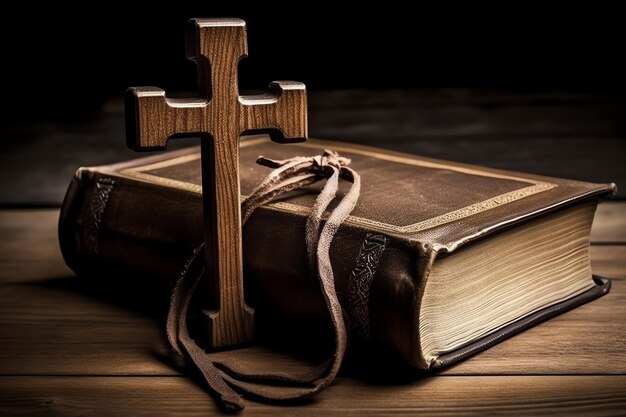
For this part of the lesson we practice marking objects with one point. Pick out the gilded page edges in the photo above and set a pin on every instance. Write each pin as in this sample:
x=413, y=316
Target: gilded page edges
x=534, y=186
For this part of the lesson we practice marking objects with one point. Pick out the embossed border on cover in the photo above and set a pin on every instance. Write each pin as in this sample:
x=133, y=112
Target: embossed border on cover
x=535, y=187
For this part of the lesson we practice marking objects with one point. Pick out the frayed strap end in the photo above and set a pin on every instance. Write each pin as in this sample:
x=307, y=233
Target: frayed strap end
x=231, y=403
x=266, y=162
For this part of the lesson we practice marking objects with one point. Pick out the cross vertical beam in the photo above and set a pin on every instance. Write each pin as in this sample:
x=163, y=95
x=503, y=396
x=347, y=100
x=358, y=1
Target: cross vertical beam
x=219, y=116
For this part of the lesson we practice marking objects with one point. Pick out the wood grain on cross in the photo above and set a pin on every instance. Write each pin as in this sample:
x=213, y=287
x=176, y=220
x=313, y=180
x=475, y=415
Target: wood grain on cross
x=219, y=116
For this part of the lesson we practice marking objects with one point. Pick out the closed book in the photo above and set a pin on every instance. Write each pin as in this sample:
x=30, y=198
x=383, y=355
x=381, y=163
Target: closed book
x=438, y=261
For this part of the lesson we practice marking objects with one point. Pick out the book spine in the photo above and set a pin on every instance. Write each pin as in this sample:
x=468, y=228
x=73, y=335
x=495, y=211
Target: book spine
x=114, y=225
x=108, y=222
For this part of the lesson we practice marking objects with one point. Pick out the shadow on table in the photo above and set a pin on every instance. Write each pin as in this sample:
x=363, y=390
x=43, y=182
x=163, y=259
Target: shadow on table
x=308, y=341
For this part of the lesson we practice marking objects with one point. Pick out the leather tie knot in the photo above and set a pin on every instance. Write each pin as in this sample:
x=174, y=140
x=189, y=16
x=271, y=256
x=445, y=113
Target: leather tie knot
x=317, y=164
x=329, y=159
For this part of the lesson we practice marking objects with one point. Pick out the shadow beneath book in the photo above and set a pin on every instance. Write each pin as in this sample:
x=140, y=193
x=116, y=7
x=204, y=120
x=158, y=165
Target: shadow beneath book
x=139, y=294
x=376, y=365
x=283, y=342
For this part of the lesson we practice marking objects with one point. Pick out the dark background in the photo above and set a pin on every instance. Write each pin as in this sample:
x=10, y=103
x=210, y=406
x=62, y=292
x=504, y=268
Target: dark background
x=525, y=88
x=60, y=66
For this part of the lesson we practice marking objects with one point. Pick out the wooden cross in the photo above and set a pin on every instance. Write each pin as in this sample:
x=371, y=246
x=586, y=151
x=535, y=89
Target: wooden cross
x=219, y=116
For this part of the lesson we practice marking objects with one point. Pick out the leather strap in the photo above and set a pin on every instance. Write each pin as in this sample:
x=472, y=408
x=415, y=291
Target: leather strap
x=226, y=381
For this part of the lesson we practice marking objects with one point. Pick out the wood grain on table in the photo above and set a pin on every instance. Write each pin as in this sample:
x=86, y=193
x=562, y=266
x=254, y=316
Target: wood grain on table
x=66, y=351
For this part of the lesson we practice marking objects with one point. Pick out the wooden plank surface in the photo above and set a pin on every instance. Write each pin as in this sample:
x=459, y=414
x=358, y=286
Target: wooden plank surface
x=609, y=225
x=456, y=395
x=56, y=328
x=67, y=349
x=29, y=248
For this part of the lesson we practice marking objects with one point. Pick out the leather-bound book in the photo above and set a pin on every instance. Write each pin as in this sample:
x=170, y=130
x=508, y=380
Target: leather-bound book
x=438, y=260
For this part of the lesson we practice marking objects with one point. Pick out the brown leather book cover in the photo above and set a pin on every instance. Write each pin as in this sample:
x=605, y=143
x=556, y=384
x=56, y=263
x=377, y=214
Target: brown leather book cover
x=144, y=216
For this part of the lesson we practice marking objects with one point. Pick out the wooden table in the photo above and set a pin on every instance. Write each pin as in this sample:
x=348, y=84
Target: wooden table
x=67, y=349
x=65, y=352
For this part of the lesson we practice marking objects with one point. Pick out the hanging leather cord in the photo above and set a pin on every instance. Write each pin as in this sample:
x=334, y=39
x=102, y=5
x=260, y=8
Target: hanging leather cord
x=227, y=380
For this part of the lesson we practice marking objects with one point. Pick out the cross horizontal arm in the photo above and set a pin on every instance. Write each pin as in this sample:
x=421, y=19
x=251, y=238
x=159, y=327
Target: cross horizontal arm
x=151, y=118
x=281, y=112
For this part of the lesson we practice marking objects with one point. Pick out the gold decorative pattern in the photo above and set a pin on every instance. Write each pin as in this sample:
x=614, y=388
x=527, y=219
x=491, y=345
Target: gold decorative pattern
x=535, y=187
x=91, y=231
x=140, y=173
x=361, y=278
